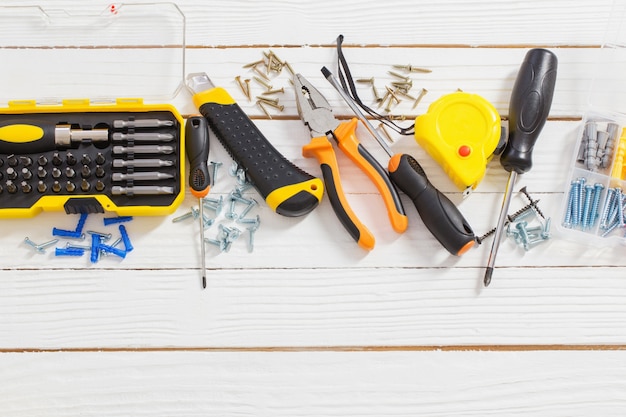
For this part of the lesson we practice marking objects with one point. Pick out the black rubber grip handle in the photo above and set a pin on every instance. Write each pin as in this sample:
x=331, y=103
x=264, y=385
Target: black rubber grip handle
x=442, y=218
x=286, y=188
x=197, y=150
x=529, y=108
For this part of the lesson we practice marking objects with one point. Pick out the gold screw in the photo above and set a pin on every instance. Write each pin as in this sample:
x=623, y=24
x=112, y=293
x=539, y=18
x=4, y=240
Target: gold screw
x=277, y=106
x=402, y=93
x=260, y=73
x=247, y=81
x=383, y=129
x=402, y=77
x=254, y=64
x=289, y=68
x=264, y=83
x=245, y=88
x=419, y=97
x=376, y=95
x=366, y=81
x=268, y=100
x=262, y=106
x=275, y=91
x=411, y=68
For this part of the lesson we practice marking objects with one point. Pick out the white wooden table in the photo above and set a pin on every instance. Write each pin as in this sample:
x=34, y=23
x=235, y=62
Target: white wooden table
x=308, y=324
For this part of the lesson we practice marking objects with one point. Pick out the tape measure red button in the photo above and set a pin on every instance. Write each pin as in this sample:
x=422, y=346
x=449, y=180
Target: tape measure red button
x=465, y=151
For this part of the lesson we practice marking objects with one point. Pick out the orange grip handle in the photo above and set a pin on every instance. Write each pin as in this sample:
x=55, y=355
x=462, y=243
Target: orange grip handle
x=349, y=144
x=321, y=149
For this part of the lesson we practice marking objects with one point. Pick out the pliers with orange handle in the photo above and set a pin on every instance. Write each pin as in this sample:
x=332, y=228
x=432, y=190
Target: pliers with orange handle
x=316, y=113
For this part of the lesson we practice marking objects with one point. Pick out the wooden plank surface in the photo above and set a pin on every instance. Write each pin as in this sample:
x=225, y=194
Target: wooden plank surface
x=577, y=383
x=308, y=323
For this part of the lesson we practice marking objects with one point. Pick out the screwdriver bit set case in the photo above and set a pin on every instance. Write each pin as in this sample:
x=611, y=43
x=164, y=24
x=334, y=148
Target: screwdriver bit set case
x=593, y=209
x=85, y=126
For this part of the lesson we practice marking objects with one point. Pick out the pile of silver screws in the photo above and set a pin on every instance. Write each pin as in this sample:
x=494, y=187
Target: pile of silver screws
x=232, y=216
x=528, y=226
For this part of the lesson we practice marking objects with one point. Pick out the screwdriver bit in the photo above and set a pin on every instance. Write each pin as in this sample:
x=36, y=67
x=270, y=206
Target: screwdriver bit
x=142, y=163
x=141, y=176
x=145, y=137
x=141, y=190
x=117, y=150
x=142, y=123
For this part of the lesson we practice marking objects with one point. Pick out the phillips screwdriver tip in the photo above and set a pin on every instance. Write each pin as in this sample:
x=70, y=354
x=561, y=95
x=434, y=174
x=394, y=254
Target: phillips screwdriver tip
x=203, y=281
x=488, y=274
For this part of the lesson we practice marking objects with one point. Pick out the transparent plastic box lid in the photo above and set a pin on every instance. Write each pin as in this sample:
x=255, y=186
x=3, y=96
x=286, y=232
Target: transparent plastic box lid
x=123, y=51
x=608, y=85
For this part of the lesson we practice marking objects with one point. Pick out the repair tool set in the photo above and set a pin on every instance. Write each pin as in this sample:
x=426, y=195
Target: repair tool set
x=89, y=161
x=128, y=157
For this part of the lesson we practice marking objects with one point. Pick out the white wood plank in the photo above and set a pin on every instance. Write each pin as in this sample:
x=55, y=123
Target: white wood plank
x=282, y=22
x=313, y=384
x=65, y=309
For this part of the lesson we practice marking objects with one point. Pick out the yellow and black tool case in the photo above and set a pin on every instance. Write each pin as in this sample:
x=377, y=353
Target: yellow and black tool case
x=60, y=151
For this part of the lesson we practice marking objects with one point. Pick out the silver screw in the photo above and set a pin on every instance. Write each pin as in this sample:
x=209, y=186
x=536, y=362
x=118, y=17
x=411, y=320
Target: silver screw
x=103, y=236
x=33, y=245
x=233, y=169
x=251, y=231
x=219, y=243
x=251, y=204
x=241, y=176
x=252, y=221
x=183, y=217
x=214, y=167
x=69, y=245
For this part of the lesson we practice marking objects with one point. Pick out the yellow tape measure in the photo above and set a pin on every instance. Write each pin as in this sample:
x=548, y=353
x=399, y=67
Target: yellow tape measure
x=460, y=131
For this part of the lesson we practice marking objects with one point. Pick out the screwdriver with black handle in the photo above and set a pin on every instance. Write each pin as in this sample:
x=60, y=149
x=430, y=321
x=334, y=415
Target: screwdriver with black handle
x=197, y=149
x=21, y=136
x=529, y=107
x=287, y=189
x=442, y=217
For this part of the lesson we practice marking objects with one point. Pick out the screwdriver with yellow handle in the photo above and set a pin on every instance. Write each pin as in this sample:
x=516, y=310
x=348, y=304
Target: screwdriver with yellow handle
x=197, y=149
x=32, y=136
x=287, y=189
x=529, y=107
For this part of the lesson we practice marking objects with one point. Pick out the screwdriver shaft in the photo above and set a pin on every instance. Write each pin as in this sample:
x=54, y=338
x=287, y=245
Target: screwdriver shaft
x=506, y=201
x=202, y=248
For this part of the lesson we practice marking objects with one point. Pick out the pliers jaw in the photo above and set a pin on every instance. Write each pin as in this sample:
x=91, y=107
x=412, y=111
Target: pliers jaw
x=313, y=108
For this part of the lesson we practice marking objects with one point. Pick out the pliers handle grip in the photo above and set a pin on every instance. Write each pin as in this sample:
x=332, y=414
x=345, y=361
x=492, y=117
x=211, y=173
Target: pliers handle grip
x=321, y=149
x=345, y=134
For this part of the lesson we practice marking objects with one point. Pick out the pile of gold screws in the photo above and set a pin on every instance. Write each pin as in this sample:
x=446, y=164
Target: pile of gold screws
x=263, y=71
x=397, y=90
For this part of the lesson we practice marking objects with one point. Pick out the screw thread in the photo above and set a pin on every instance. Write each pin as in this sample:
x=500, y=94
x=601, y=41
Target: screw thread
x=597, y=194
x=606, y=208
